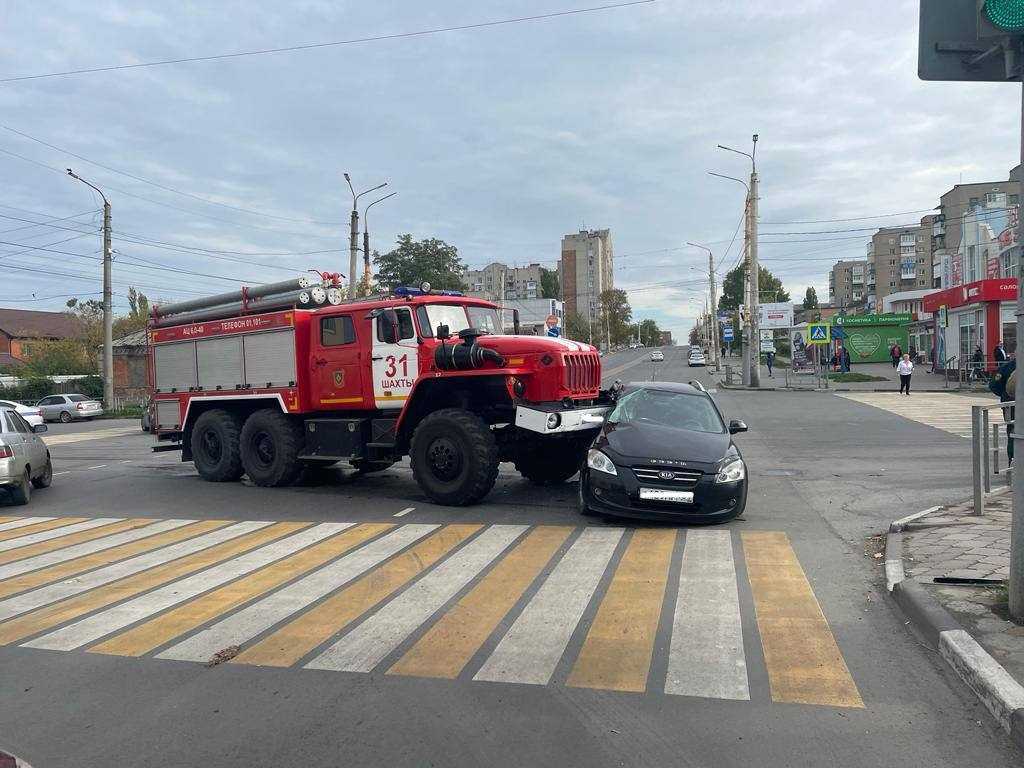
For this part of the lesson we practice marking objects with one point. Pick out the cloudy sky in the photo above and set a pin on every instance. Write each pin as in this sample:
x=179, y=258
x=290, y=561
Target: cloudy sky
x=498, y=140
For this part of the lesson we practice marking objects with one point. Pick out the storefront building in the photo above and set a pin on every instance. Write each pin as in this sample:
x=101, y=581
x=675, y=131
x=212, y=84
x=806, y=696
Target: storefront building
x=966, y=317
x=869, y=337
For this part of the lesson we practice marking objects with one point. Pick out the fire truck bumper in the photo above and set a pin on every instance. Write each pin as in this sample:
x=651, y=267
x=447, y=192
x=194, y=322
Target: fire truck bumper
x=556, y=421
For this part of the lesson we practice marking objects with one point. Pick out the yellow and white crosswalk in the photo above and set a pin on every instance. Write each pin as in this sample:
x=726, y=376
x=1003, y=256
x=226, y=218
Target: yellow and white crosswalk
x=948, y=412
x=632, y=610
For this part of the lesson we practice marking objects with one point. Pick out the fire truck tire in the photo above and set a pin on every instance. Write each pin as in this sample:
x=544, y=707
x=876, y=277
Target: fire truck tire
x=215, y=446
x=454, y=457
x=271, y=443
x=550, y=462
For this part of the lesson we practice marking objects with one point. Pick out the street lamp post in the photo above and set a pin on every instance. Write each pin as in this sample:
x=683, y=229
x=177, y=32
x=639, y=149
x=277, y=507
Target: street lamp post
x=353, y=236
x=751, y=360
x=715, y=343
x=366, y=241
x=108, y=312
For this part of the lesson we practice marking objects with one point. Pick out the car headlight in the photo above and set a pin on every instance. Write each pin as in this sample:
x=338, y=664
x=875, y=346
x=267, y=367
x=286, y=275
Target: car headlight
x=599, y=462
x=732, y=471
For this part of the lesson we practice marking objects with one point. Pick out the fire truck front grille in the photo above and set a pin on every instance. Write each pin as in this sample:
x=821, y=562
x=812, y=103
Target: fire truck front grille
x=582, y=373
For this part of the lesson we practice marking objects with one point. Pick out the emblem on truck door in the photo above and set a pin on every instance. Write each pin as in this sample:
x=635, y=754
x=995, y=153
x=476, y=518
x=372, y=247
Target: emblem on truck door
x=339, y=379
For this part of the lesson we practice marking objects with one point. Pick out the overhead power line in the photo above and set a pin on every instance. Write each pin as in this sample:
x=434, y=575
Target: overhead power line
x=330, y=44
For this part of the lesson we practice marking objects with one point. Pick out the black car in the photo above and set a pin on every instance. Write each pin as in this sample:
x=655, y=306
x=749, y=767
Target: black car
x=665, y=453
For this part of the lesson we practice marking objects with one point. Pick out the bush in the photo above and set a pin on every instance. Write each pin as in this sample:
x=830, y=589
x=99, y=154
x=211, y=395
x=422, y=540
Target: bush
x=33, y=389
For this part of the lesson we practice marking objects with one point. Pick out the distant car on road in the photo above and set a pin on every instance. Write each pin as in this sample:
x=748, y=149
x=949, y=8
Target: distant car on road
x=24, y=457
x=696, y=358
x=68, y=408
x=657, y=356
x=29, y=413
x=665, y=452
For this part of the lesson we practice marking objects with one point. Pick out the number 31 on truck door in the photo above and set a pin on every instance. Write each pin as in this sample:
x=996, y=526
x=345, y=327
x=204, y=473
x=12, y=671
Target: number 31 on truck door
x=395, y=366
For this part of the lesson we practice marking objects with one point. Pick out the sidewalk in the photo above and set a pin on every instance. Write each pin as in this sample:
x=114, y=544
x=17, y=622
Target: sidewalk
x=924, y=554
x=922, y=381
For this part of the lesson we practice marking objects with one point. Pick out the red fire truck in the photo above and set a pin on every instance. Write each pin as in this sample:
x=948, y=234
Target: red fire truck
x=267, y=382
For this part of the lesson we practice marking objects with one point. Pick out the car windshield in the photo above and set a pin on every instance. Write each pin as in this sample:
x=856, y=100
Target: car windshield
x=669, y=409
x=484, y=318
x=455, y=317
x=78, y=398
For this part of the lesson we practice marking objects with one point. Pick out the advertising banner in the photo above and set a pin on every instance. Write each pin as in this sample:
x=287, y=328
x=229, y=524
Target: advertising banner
x=775, y=315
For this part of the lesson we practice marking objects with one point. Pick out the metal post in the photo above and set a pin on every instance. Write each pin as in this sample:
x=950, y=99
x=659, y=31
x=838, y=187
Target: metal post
x=755, y=296
x=1017, y=522
x=977, y=449
x=108, y=313
x=745, y=331
x=353, y=251
x=985, y=465
x=995, y=449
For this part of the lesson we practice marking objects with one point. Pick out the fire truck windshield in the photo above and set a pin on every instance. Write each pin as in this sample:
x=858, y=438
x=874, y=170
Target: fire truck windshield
x=454, y=316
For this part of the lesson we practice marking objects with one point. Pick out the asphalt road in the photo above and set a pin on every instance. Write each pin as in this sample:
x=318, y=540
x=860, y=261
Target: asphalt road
x=695, y=648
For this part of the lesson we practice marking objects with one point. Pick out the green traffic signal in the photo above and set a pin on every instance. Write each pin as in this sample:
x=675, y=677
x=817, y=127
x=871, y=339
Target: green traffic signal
x=1006, y=14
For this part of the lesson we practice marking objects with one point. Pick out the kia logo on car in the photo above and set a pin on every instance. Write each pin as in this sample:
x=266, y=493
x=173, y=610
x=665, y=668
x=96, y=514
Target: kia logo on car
x=666, y=475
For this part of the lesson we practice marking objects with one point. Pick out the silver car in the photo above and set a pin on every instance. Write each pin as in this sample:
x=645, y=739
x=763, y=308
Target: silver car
x=24, y=457
x=68, y=408
x=29, y=413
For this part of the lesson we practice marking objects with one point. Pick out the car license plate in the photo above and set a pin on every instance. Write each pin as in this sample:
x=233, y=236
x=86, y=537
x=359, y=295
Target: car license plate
x=657, y=494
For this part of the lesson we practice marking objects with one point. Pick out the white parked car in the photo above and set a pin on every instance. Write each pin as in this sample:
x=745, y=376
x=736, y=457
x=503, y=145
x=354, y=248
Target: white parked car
x=24, y=457
x=657, y=356
x=29, y=413
x=68, y=408
x=697, y=358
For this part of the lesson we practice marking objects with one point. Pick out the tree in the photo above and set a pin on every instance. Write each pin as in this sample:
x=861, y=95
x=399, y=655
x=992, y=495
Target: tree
x=769, y=286
x=650, y=333
x=694, y=337
x=416, y=261
x=810, y=298
x=50, y=357
x=577, y=327
x=549, y=288
x=614, y=313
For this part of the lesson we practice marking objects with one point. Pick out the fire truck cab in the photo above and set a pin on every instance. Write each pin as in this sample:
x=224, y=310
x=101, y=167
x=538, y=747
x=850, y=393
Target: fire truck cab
x=428, y=374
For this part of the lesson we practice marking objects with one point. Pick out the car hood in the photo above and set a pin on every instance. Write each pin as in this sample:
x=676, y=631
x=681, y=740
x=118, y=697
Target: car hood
x=637, y=443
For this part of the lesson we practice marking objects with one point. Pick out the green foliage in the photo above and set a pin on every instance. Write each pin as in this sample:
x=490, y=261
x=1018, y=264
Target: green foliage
x=810, y=298
x=650, y=333
x=549, y=288
x=577, y=328
x=415, y=261
x=46, y=357
x=35, y=388
x=769, y=287
x=615, y=313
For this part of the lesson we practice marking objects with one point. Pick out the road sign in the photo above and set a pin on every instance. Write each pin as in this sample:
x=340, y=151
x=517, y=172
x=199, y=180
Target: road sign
x=958, y=40
x=727, y=333
x=819, y=333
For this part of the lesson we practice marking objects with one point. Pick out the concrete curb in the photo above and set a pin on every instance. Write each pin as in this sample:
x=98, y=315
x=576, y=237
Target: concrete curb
x=1001, y=694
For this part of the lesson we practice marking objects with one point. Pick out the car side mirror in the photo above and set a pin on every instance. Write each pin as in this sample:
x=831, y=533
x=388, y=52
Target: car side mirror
x=40, y=428
x=387, y=324
x=736, y=426
x=443, y=332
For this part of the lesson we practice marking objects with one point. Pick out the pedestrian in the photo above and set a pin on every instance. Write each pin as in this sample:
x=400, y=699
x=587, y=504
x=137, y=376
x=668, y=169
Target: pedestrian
x=913, y=354
x=844, y=359
x=905, y=369
x=977, y=362
x=999, y=354
x=1004, y=384
x=895, y=353
x=769, y=359
x=835, y=361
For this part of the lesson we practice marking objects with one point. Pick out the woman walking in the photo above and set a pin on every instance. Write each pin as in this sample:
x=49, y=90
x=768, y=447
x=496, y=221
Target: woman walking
x=905, y=369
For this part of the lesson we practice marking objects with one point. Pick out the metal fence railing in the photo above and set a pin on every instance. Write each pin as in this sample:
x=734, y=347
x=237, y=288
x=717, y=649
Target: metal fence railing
x=985, y=449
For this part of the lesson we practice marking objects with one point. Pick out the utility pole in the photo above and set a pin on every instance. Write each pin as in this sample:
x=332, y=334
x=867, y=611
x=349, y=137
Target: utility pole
x=755, y=313
x=367, y=275
x=108, y=309
x=353, y=236
x=713, y=339
x=746, y=294
x=1016, y=580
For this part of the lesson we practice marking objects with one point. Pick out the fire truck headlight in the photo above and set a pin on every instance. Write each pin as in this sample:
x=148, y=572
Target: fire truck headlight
x=425, y=286
x=554, y=421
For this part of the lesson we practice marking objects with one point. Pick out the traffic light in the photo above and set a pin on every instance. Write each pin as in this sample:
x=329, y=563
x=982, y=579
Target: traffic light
x=1007, y=15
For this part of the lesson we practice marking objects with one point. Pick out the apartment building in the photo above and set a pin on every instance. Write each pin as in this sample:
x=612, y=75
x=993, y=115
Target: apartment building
x=586, y=268
x=847, y=283
x=500, y=282
x=900, y=259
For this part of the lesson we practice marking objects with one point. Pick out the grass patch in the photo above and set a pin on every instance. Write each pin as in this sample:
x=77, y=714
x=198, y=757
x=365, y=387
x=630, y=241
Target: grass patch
x=855, y=377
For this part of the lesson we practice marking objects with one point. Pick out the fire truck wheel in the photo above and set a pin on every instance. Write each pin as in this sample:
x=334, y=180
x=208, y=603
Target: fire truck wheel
x=271, y=443
x=454, y=457
x=549, y=462
x=215, y=447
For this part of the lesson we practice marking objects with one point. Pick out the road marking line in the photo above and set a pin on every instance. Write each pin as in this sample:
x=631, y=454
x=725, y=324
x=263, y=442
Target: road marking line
x=531, y=649
x=805, y=665
x=65, y=600
x=159, y=631
x=72, y=538
x=54, y=530
x=54, y=566
x=59, y=473
x=79, y=437
x=126, y=461
x=251, y=621
x=616, y=654
x=300, y=636
x=365, y=647
x=706, y=655
x=404, y=512
x=98, y=466
x=21, y=522
x=92, y=628
x=449, y=645
x=32, y=524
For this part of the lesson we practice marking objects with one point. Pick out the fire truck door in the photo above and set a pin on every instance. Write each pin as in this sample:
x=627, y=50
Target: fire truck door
x=395, y=366
x=336, y=364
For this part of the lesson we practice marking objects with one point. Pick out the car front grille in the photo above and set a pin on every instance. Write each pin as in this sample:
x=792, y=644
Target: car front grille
x=582, y=373
x=685, y=478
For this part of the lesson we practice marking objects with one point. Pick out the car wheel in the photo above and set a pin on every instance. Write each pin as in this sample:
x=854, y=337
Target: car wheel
x=66, y=417
x=454, y=457
x=551, y=461
x=581, y=503
x=215, y=446
x=22, y=492
x=271, y=443
x=46, y=478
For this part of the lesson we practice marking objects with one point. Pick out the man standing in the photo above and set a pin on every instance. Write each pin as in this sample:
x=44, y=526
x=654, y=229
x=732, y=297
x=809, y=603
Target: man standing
x=769, y=359
x=1004, y=384
x=999, y=353
x=844, y=359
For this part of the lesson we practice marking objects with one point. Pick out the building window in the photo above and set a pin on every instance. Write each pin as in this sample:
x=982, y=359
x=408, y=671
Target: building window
x=892, y=284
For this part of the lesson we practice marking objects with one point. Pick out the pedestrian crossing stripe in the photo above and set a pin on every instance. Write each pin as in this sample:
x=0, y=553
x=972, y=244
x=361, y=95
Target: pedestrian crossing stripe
x=644, y=611
x=948, y=412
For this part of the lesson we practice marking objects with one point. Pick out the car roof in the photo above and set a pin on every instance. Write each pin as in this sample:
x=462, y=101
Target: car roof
x=664, y=386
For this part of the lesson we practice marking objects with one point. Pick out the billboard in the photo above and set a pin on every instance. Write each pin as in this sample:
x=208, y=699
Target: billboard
x=775, y=315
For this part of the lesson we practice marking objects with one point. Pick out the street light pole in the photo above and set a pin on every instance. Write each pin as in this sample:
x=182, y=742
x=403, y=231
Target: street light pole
x=714, y=341
x=1016, y=575
x=353, y=235
x=750, y=363
x=108, y=311
x=366, y=242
